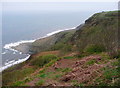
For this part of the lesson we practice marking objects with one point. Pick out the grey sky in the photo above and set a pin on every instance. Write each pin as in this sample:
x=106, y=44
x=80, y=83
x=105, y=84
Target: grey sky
x=58, y=6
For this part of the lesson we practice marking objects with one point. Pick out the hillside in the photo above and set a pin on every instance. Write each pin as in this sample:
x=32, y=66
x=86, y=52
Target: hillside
x=48, y=42
x=100, y=29
x=86, y=56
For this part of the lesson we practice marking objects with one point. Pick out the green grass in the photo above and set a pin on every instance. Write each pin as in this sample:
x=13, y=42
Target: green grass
x=13, y=76
x=107, y=77
x=58, y=76
x=105, y=56
x=42, y=71
x=64, y=70
x=52, y=62
x=18, y=83
x=40, y=82
x=91, y=62
x=115, y=63
x=42, y=60
x=92, y=48
x=79, y=84
x=43, y=75
x=27, y=79
x=110, y=73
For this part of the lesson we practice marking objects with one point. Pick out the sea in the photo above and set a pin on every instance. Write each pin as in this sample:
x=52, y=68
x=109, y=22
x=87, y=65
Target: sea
x=18, y=28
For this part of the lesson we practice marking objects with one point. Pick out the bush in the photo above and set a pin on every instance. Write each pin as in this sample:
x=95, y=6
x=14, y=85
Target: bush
x=42, y=60
x=94, y=49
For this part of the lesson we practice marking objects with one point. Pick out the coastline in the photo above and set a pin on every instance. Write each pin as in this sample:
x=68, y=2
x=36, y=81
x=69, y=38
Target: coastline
x=21, y=47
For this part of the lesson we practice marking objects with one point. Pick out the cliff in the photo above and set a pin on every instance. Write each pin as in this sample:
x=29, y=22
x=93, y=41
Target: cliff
x=86, y=56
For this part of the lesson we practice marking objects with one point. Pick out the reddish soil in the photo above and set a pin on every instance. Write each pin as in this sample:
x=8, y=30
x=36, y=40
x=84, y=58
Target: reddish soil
x=32, y=83
x=81, y=72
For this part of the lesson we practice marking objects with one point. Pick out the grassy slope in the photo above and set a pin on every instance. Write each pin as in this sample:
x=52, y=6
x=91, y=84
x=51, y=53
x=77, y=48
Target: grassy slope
x=100, y=29
x=69, y=70
x=96, y=68
x=53, y=42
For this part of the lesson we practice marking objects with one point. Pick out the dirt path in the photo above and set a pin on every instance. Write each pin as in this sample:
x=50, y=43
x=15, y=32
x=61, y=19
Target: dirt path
x=80, y=71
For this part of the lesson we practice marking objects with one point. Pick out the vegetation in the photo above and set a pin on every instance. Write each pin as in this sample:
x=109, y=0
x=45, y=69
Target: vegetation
x=94, y=49
x=97, y=37
x=42, y=60
x=40, y=82
x=91, y=62
x=54, y=42
x=11, y=77
x=100, y=29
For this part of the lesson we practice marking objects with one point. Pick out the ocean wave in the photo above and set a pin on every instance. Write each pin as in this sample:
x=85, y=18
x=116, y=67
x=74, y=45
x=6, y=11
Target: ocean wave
x=10, y=45
x=9, y=62
x=3, y=53
x=13, y=62
x=54, y=32
x=14, y=52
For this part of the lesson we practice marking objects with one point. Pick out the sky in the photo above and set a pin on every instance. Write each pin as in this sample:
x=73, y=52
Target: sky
x=59, y=0
x=58, y=6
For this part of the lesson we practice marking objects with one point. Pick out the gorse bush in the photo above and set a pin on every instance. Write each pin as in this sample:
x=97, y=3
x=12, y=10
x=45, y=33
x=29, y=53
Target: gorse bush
x=94, y=49
x=42, y=60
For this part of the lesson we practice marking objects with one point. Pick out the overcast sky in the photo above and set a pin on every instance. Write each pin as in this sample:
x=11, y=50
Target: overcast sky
x=58, y=6
x=59, y=0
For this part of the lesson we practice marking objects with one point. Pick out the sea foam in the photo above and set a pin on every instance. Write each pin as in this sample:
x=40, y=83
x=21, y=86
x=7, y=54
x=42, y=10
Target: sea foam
x=49, y=34
x=13, y=62
x=10, y=45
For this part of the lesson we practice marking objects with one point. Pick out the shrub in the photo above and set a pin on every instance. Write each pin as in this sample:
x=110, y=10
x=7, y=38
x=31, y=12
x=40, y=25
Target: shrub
x=42, y=60
x=94, y=49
